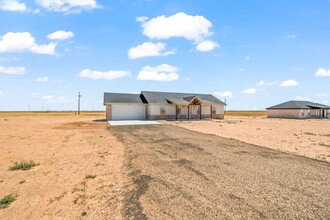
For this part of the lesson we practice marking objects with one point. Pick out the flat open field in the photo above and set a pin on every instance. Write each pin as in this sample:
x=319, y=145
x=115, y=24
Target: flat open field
x=87, y=170
x=310, y=138
x=79, y=166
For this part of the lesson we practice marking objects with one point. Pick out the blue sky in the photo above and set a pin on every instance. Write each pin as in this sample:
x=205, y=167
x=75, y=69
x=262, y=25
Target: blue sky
x=252, y=53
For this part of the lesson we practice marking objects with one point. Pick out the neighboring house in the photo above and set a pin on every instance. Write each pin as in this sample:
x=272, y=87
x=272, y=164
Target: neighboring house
x=162, y=105
x=299, y=109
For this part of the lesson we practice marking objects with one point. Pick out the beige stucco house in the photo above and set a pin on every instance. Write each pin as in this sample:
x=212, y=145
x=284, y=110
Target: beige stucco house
x=162, y=105
x=299, y=109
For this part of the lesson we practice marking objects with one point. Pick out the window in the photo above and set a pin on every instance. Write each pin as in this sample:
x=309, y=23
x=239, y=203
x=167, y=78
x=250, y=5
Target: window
x=214, y=110
x=178, y=110
x=162, y=110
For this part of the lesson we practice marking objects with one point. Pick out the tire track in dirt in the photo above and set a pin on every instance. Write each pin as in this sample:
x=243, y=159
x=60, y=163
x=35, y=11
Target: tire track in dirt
x=182, y=174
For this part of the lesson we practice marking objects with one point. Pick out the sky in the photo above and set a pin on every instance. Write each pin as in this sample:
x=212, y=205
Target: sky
x=251, y=54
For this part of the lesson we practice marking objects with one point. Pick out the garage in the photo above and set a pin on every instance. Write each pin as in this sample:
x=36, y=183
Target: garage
x=128, y=112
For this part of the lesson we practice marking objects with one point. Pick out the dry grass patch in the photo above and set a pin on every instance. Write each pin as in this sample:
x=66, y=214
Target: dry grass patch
x=23, y=165
x=7, y=200
x=246, y=113
x=89, y=176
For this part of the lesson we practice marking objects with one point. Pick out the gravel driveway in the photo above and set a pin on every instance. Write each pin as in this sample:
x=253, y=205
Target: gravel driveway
x=181, y=174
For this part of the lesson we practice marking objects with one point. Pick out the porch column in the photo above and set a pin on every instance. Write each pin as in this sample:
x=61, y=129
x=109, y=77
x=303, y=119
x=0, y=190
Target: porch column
x=176, y=112
x=200, y=112
x=211, y=111
x=188, y=112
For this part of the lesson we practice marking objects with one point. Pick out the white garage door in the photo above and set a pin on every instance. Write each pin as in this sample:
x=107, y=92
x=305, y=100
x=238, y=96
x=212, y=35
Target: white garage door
x=128, y=112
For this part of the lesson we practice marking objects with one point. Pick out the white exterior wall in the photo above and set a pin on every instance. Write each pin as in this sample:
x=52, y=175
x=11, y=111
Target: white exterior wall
x=287, y=113
x=154, y=109
x=206, y=110
x=220, y=109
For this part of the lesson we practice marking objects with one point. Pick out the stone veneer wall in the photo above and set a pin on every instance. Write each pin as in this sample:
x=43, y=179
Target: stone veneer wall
x=173, y=117
x=218, y=116
x=108, y=113
x=161, y=117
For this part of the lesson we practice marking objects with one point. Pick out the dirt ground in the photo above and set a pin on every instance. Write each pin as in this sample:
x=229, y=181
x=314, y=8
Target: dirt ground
x=310, y=138
x=183, y=174
x=87, y=170
x=79, y=173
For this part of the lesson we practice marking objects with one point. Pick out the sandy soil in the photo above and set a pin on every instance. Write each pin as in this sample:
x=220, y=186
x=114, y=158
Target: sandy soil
x=89, y=171
x=310, y=138
x=67, y=149
x=183, y=174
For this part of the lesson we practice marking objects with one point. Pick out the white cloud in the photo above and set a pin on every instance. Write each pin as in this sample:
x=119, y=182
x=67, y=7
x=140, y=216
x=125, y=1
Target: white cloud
x=241, y=70
x=108, y=75
x=68, y=6
x=302, y=98
x=195, y=28
x=163, y=72
x=60, y=35
x=42, y=79
x=148, y=49
x=142, y=19
x=249, y=91
x=35, y=94
x=55, y=99
x=12, y=5
x=247, y=58
x=298, y=69
x=322, y=95
x=19, y=70
x=1, y=93
x=24, y=41
x=289, y=82
x=322, y=72
x=207, y=45
x=228, y=94
x=263, y=83
x=290, y=37
x=47, y=97
x=187, y=78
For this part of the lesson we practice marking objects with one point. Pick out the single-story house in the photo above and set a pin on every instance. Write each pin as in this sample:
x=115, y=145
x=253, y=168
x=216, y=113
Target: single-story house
x=298, y=109
x=162, y=106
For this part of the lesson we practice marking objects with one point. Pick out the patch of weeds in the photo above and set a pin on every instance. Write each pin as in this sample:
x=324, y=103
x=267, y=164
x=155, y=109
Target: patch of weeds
x=89, y=176
x=99, y=164
x=321, y=157
x=22, y=181
x=258, y=129
x=23, y=165
x=309, y=133
x=77, y=189
x=7, y=200
x=324, y=145
x=1, y=181
x=325, y=135
x=80, y=199
x=5, y=119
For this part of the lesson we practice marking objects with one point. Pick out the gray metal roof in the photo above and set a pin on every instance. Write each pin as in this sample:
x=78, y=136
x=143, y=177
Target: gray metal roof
x=159, y=98
x=298, y=105
x=163, y=97
x=123, y=98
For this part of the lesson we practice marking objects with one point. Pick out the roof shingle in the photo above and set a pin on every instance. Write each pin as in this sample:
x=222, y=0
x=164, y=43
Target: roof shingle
x=298, y=105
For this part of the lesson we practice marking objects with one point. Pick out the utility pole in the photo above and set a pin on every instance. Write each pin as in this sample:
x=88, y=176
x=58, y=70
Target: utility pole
x=79, y=103
x=225, y=105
